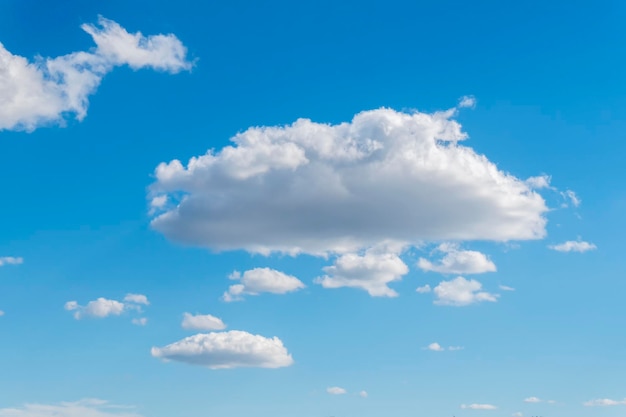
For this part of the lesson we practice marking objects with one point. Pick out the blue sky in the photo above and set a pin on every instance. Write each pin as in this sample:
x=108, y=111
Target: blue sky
x=391, y=209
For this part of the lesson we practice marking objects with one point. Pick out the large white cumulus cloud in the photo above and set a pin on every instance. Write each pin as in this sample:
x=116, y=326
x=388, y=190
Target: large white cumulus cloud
x=386, y=176
x=48, y=89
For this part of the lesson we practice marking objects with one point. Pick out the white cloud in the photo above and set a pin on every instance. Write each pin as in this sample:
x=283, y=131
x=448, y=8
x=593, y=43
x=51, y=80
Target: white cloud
x=1, y=313
x=573, y=246
x=11, y=260
x=506, y=288
x=261, y=280
x=226, y=350
x=479, y=407
x=539, y=182
x=46, y=90
x=467, y=102
x=336, y=390
x=202, y=322
x=456, y=261
x=518, y=414
x=318, y=188
x=424, y=289
x=371, y=272
x=532, y=400
x=363, y=394
x=436, y=347
x=83, y=408
x=604, y=402
x=461, y=292
x=103, y=307
x=571, y=196
x=141, y=321
x=455, y=348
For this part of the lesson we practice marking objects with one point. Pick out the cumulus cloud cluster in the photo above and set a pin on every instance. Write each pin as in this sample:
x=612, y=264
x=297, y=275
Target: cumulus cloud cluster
x=82, y=408
x=261, y=280
x=103, y=307
x=224, y=350
x=457, y=261
x=46, y=90
x=317, y=188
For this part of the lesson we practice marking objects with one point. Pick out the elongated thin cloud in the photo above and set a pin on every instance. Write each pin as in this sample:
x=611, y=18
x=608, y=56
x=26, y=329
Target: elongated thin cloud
x=11, y=260
x=48, y=90
x=604, y=402
x=384, y=176
x=579, y=246
x=82, y=408
x=225, y=350
x=479, y=407
x=336, y=390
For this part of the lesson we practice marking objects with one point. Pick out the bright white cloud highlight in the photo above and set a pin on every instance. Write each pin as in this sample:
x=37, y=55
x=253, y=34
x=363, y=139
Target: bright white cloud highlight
x=47, y=90
x=436, y=347
x=204, y=322
x=479, y=407
x=604, y=402
x=506, y=288
x=461, y=292
x=11, y=260
x=336, y=391
x=532, y=400
x=539, y=182
x=233, y=349
x=318, y=188
x=457, y=261
x=103, y=307
x=371, y=272
x=83, y=408
x=573, y=246
x=423, y=289
x=261, y=280
x=467, y=102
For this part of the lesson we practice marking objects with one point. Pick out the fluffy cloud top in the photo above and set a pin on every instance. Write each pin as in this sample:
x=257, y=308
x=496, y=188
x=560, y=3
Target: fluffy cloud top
x=370, y=272
x=83, y=408
x=260, y=280
x=103, y=307
x=574, y=246
x=202, y=322
x=461, y=292
x=224, y=350
x=604, y=402
x=46, y=90
x=456, y=261
x=11, y=260
x=479, y=407
x=318, y=188
x=336, y=390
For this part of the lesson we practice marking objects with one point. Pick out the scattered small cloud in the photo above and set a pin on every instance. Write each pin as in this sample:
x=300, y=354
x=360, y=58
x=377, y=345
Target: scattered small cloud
x=372, y=272
x=336, y=391
x=363, y=394
x=424, y=289
x=261, y=280
x=457, y=261
x=518, y=414
x=11, y=260
x=467, y=102
x=226, y=350
x=1, y=313
x=479, y=407
x=436, y=347
x=539, y=182
x=532, y=400
x=506, y=288
x=461, y=292
x=574, y=246
x=103, y=307
x=203, y=322
x=82, y=408
x=604, y=402
x=141, y=321
x=571, y=196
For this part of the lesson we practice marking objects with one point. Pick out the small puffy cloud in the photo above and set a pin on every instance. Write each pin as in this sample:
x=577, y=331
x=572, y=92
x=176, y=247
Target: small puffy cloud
x=604, y=402
x=436, y=347
x=83, y=408
x=467, y=102
x=141, y=321
x=261, y=280
x=532, y=400
x=320, y=189
x=479, y=406
x=539, y=182
x=461, y=292
x=103, y=307
x=573, y=246
x=46, y=90
x=11, y=260
x=456, y=261
x=336, y=391
x=372, y=272
x=225, y=350
x=506, y=288
x=424, y=289
x=204, y=322
x=363, y=394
